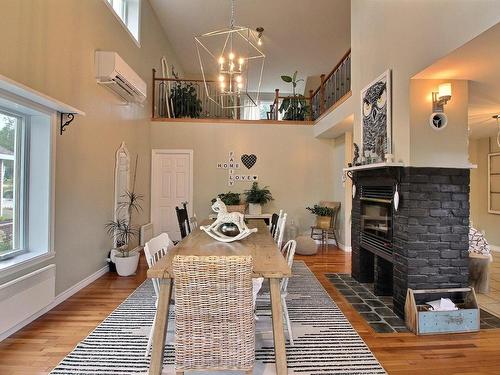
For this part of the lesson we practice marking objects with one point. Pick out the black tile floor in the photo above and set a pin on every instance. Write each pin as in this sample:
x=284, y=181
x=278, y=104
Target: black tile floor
x=377, y=310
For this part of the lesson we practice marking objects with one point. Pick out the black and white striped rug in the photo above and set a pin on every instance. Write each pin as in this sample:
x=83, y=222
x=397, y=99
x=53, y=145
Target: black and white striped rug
x=325, y=341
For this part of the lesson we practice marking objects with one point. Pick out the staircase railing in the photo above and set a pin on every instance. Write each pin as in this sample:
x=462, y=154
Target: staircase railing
x=333, y=87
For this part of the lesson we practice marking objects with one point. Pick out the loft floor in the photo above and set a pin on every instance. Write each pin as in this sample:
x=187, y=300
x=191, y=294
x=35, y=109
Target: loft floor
x=37, y=348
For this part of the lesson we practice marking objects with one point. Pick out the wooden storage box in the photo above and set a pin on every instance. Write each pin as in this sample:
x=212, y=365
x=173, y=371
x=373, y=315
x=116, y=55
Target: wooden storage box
x=422, y=321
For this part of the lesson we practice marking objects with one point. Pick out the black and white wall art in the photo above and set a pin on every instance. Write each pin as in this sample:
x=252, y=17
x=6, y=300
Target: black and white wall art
x=376, y=134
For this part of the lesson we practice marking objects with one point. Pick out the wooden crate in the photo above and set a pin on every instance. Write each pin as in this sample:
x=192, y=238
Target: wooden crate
x=422, y=321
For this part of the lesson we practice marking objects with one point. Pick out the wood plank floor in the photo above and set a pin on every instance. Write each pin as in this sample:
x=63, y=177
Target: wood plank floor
x=37, y=348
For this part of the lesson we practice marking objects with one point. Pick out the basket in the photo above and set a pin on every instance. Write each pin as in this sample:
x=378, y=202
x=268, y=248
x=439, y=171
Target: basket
x=237, y=208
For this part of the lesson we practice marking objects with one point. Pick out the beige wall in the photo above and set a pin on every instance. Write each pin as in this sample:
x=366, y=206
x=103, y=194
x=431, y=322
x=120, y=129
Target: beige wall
x=49, y=46
x=407, y=36
x=296, y=166
x=446, y=147
x=482, y=220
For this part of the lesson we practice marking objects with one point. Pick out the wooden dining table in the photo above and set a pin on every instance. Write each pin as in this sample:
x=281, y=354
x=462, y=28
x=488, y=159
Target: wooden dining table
x=268, y=261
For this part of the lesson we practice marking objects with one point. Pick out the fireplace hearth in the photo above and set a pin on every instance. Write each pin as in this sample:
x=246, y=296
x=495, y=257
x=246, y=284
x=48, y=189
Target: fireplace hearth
x=423, y=244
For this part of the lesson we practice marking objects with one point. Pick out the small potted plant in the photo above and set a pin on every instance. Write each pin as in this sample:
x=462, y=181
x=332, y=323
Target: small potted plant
x=256, y=197
x=122, y=231
x=232, y=202
x=323, y=215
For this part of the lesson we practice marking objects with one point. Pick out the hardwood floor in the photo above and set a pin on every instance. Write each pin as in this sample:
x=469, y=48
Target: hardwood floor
x=37, y=348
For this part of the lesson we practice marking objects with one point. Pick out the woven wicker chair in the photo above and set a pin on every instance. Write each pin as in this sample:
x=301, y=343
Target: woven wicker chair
x=214, y=320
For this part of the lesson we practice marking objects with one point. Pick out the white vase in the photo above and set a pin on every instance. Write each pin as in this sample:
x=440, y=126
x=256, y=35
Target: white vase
x=125, y=266
x=254, y=209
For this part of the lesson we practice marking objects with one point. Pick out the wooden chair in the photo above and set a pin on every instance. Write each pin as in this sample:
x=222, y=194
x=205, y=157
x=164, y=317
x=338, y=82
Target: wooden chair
x=324, y=234
x=183, y=219
x=154, y=250
x=280, y=229
x=214, y=320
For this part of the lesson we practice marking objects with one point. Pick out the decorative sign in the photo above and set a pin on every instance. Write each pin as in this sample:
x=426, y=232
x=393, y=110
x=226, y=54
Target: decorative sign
x=233, y=166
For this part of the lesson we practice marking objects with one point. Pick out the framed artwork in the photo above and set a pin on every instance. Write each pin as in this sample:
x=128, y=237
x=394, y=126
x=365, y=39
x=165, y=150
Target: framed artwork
x=376, y=111
x=494, y=183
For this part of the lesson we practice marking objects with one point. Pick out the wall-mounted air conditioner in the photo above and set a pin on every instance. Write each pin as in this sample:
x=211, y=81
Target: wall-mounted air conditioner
x=115, y=74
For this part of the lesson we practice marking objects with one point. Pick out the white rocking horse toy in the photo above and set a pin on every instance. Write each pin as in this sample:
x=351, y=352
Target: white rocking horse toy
x=224, y=217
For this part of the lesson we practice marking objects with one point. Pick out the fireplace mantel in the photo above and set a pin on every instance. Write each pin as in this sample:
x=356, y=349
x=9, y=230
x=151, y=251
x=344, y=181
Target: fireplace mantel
x=373, y=166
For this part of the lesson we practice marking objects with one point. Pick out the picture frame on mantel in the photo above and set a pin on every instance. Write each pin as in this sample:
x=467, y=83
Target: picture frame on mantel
x=376, y=119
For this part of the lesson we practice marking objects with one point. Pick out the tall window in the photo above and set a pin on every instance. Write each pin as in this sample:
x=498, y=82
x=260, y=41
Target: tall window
x=12, y=157
x=128, y=11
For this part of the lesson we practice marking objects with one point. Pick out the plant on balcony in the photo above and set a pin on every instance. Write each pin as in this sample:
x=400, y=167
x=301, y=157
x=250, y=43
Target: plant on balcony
x=294, y=107
x=184, y=99
x=256, y=197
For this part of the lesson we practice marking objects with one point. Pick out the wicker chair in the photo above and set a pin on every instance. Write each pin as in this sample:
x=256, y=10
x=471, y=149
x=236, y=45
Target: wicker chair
x=214, y=320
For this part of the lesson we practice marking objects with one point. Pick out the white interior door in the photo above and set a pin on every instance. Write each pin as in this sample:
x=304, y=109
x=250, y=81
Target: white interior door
x=171, y=184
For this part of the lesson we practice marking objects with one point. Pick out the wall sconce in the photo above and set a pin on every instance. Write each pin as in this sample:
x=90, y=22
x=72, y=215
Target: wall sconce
x=440, y=98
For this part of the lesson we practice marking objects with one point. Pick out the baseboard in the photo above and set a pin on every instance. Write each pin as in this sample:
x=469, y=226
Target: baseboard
x=57, y=300
x=340, y=245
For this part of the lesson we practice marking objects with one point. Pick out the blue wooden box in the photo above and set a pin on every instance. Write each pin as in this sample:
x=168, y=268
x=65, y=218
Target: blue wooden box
x=424, y=322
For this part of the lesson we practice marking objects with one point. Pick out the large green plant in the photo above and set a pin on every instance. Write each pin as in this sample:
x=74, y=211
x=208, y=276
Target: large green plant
x=294, y=107
x=184, y=99
x=257, y=195
x=229, y=198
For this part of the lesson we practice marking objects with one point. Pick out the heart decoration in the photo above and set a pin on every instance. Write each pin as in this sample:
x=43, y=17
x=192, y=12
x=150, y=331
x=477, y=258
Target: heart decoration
x=248, y=160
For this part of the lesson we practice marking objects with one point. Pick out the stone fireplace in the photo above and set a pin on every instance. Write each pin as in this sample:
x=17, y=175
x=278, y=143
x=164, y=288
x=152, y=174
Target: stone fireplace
x=421, y=245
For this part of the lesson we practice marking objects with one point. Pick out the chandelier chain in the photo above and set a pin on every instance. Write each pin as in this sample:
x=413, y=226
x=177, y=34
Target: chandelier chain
x=232, y=14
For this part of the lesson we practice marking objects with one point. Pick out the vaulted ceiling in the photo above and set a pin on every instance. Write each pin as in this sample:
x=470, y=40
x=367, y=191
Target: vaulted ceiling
x=308, y=36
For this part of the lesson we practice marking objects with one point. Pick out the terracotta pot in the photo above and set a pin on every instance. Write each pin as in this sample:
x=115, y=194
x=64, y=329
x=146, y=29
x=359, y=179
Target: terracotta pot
x=323, y=222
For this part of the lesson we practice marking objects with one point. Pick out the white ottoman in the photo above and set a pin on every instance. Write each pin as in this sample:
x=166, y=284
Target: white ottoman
x=306, y=246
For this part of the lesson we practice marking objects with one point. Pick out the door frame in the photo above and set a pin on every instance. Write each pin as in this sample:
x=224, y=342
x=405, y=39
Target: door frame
x=161, y=151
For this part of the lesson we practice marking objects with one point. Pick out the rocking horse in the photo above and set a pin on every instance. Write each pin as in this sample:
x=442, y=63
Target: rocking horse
x=224, y=217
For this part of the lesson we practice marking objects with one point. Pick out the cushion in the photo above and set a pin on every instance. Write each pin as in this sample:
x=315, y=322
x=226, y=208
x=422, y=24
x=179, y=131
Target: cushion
x=306, y=246
x=477, y=243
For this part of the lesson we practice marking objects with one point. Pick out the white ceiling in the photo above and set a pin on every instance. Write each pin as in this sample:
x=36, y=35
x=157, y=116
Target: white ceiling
x=477, y=61
x=308, y=36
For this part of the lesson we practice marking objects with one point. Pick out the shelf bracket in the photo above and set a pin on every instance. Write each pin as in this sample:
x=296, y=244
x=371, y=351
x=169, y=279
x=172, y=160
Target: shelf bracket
x=66, y=119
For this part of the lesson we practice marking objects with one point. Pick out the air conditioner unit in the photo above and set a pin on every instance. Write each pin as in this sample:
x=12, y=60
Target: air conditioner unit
x=115, y=74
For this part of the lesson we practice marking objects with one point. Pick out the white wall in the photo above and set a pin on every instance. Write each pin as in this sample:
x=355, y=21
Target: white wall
x=296, y=166
x=407, y=36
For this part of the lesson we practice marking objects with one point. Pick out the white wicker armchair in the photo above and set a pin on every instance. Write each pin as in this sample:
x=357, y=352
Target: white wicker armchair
x=214, y=320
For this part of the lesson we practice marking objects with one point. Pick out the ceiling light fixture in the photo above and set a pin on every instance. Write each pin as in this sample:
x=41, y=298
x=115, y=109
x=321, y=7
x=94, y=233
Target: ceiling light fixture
x=260, y=31
x=230, y=55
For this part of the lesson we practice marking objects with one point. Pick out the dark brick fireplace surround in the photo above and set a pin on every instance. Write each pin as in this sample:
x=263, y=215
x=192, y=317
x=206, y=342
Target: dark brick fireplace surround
x=430, y=231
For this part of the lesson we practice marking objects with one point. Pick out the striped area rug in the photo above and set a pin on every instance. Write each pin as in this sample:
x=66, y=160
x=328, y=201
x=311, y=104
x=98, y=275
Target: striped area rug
x=325, y=341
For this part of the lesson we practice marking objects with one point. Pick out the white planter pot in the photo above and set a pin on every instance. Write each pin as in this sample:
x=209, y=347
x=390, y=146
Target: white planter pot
x=254, y=209
x=125, y=266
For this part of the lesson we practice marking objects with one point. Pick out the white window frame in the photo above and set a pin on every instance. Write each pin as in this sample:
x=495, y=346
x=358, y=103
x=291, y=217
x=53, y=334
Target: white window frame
x=26, y=259
x=137, y=41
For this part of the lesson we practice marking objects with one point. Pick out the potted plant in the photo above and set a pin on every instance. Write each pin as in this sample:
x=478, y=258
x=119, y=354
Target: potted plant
x=184, y=99
x=256, y=197
x=232, y=202
x=295, y=107
x=122, y=231
x=323, y=215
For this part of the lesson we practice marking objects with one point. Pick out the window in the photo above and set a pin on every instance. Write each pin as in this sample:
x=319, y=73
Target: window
x=128, y=12
x=12, y=157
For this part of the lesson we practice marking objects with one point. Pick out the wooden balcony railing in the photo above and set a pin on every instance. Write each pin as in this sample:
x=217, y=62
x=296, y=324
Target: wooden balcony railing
x=181, y=98
x=333, y=87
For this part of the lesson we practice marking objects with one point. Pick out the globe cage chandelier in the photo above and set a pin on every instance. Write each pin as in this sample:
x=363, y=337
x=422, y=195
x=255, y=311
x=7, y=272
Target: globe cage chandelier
x=231, y=55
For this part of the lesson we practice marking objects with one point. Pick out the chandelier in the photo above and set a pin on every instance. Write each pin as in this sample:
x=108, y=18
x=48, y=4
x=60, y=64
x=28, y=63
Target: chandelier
x=231, y=64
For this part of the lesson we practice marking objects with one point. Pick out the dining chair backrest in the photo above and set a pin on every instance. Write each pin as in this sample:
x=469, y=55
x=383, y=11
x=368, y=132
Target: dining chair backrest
x=154, y=250
x=183, y=219
x=276, y=230
x=336, y=207
x=193, y=222
x=273, y=224
x=217, y=290
x=280, y=231
x=289, y=254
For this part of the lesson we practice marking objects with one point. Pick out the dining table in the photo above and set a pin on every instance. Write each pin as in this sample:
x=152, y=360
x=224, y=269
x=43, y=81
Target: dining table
x=268, y=263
